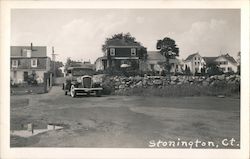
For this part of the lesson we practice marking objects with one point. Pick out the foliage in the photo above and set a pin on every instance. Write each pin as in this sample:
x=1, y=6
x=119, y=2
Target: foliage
x=187, y=70
x=67, y=64
x=213, y=69
x=239, y=62
x=119, y=36
x=70, y=63
x=57, y=65
x=169, y=49
x=108, y=86
x=128, y=72
x=127, y=38
x=31, y=80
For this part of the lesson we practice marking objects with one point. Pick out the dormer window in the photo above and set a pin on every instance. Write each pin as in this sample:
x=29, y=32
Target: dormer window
x=33, y=62
x=28, y=53
x=133, y=52
x=112, y=51
x=14, y=63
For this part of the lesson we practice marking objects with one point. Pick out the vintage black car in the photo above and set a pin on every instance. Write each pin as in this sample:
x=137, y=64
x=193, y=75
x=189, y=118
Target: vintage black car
x=79, y=80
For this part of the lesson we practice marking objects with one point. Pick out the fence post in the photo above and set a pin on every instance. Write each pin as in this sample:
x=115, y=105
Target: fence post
x=31, y=127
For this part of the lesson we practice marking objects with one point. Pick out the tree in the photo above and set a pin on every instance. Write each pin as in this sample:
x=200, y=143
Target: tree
x=169, y=49
x=68, y=63
x=238, y=61
x=187, y=70
x=127, y=37
x=56, y=65
x=213, y=69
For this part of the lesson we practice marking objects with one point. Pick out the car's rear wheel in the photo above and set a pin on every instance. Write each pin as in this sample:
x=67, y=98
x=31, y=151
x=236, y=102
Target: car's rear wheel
x=72, y=91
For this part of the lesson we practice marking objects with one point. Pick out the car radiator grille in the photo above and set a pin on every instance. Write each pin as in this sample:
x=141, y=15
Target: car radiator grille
x=87, y=82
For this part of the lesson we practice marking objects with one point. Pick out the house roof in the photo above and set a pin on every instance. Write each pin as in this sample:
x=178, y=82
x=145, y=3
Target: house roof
x=20, y=51
x=155, y=55
x=191, y=56
x=176, y=61
x=229, y=58
x=81, y=65
x=210, y=60
x=101, y=58
x=122, y=42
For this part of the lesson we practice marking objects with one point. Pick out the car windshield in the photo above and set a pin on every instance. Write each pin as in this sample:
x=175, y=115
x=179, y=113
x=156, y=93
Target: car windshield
x=82, y=71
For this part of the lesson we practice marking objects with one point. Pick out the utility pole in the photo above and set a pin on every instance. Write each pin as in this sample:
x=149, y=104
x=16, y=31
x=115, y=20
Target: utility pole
x=54, y=61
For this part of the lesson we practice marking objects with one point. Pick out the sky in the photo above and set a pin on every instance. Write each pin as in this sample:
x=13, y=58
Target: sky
x=80, y=33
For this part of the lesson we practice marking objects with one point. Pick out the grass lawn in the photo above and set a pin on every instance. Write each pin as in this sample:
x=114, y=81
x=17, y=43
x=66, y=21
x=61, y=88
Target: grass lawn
x=27, y=89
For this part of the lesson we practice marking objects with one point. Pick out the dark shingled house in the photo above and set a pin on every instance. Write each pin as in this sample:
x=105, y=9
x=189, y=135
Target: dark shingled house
x=121, y=53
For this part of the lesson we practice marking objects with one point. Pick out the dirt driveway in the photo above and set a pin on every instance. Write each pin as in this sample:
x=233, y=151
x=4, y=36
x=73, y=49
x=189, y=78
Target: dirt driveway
x=126, y=121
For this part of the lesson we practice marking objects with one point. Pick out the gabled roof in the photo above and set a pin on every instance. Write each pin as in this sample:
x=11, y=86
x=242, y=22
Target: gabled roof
x=229, y=58
x=191, y=56
x=210, y=60
x=101, y=58
x=20, y=51
x=122, y=42
x=155, y=55
x=175, y=61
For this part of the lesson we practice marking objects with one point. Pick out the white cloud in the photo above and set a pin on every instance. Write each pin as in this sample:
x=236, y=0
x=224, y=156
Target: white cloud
x=80, y=34
x=208, y=37
x=82, y=38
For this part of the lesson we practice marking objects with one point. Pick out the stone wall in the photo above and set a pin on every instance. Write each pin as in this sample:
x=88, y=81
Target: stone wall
x=119, y=83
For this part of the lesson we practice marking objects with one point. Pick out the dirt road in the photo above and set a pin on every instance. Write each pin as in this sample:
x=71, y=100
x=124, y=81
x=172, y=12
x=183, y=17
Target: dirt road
x=125, y=121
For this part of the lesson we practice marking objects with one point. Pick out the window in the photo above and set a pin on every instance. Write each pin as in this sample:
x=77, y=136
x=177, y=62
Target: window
x=195, y=58
x=198, y=63
x=194, y=63
x=133, y=52
x=152, y=66
x=223, y=63
x=112, y=51
x=15, y=63
x=28, y=53
x=198, y=58
x=230, y=69
x=33, y=62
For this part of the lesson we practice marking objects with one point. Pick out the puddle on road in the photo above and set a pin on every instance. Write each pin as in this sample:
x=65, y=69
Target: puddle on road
x=32, y=132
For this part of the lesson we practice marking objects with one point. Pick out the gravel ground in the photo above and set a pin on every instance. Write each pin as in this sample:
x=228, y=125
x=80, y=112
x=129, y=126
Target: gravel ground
x=126, y=121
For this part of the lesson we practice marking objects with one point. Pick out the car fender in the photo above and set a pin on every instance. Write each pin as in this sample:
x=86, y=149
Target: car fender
x=75, y=83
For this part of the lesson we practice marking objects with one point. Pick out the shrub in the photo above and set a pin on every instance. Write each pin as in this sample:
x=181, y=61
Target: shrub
x=108, y=87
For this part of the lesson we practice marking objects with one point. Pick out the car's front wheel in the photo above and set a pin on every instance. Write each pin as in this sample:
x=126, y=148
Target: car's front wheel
x=72, y=91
